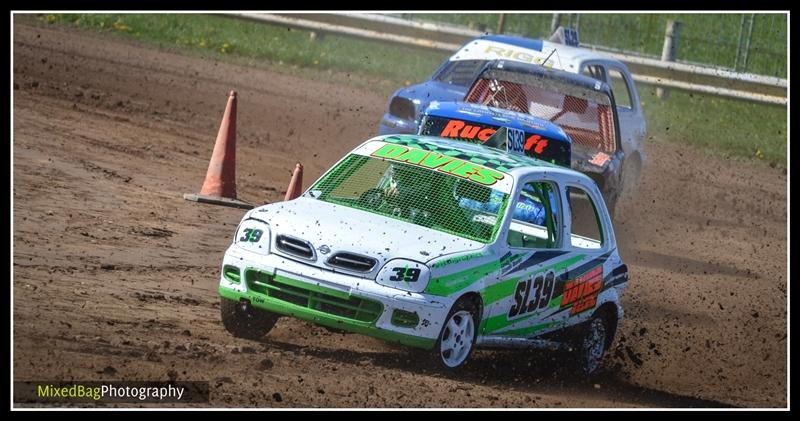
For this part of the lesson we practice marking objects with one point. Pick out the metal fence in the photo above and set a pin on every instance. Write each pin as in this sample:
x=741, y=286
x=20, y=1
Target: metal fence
x=663, y=72
x=741, y=42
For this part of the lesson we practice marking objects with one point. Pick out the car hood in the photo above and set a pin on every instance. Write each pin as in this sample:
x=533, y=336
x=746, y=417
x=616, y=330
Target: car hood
x=344, y=229
x=431, y=90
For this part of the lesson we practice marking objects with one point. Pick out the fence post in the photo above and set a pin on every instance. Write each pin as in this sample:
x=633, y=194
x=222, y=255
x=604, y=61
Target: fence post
x=670, y=50
x=749, y=39
x=555, y=23
x=501, y=23
x=739, y=44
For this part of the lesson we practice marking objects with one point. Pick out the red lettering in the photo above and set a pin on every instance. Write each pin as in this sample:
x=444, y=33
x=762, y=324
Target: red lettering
x=532, y=140
x=540, y=146
x=452, y=128
x=470, y=132
x=584, y=304
x=485, y=134
x=537, y=141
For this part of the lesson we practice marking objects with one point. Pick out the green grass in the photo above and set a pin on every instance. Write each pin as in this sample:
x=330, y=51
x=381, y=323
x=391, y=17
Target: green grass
x=229, y=37
x=711, y=38
x=722, y=125
x=725, y=126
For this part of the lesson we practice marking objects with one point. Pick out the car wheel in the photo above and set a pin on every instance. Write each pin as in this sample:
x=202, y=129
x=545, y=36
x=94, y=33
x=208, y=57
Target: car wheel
x=457, y=338
x=244, y=321
x=591, y=345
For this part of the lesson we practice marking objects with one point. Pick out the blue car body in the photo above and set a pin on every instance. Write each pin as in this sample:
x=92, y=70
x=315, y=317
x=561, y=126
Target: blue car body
x=450, y=82
x=477, y=123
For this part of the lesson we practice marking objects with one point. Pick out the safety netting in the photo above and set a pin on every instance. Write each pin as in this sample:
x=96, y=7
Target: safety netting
x=422, y=196
x=584, y=114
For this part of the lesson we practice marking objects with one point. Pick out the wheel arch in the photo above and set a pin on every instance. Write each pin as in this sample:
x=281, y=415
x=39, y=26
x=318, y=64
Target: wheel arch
x=476, y=299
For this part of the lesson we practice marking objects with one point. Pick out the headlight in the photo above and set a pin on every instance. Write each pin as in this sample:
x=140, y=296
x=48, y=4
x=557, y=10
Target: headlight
x=403, y=108
x=407, y=275
x=253, y=235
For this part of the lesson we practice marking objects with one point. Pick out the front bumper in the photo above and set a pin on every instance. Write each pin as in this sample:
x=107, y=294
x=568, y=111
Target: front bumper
x=284, y=286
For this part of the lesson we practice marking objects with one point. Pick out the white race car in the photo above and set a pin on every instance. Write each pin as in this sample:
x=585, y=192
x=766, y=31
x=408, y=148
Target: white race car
x=437, y=244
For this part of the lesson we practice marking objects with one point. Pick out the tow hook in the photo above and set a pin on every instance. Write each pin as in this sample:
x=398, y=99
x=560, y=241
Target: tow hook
x=244, y=306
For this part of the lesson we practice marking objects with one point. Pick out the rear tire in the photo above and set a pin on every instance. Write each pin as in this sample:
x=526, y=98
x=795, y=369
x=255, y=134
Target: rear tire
x=457, y=338
x=244, y=321
x=590, y=345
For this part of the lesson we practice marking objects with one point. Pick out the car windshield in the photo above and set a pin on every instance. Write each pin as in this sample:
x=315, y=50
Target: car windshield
x=584, y=114
x=460, y=72
x=426, y=197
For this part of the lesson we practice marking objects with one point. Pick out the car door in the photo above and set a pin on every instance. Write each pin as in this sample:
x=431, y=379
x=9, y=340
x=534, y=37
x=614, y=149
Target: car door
x=629, y=110
x=590, y=239
x=532, y=265
x=625, y=95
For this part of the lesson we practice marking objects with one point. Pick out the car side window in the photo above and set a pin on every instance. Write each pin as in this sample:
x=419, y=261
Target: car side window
x=461, y=72
x=596, y=71
x=621, y=90
x=587, y=231
x=535, y=217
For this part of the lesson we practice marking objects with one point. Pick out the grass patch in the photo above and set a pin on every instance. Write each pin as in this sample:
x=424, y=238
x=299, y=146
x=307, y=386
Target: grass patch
x=229, y=37
x=725, y=126
x=722, y=125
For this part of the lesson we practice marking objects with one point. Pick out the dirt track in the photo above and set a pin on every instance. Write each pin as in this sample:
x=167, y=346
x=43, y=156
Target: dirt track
x=115, y=275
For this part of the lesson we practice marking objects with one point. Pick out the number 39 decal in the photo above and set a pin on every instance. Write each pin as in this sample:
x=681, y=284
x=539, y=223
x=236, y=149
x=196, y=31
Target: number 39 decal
x=543, y=286
x=405, y=274
x=251, y=235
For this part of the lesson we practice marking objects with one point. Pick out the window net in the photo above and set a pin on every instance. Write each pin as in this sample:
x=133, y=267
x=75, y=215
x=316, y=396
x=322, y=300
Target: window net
x=415, y=195
x=584, y=116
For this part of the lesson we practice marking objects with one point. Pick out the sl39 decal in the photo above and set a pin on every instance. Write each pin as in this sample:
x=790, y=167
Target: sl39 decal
x=580, y=294
x=527, y=301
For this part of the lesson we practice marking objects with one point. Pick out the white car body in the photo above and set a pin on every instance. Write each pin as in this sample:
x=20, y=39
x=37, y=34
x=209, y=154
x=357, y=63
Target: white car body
x=447, y=267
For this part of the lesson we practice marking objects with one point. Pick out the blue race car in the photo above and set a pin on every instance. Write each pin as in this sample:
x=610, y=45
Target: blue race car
x=619, y=133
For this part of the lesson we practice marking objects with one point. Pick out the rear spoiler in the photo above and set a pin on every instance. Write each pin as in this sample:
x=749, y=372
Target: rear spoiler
x=512, y=132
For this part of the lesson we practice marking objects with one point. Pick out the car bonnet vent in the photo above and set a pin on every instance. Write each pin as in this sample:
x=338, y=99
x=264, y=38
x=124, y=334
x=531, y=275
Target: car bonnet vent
x=294, y=246
x=352, y=262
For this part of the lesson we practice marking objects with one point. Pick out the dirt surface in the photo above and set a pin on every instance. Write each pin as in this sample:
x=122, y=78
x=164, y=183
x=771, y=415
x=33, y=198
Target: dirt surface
x=115, y=275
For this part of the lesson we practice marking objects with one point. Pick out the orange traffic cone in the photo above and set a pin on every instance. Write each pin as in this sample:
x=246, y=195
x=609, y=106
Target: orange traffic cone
x=296, y=185
x=219, y=187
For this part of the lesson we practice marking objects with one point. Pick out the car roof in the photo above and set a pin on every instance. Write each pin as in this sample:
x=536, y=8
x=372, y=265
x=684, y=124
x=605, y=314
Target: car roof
x=484, y=114
x=509, y=163
x=528, y=50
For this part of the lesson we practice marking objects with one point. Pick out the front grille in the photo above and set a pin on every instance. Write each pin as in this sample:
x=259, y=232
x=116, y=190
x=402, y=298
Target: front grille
x=294, y=246
x=353, y=308
x=353, y=262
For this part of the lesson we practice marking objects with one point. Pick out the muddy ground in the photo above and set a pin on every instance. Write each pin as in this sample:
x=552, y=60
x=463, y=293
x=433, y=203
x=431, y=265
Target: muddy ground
x=115, y=275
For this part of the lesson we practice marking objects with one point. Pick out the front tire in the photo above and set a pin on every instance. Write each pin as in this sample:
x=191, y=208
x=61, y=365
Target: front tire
x=457, y=338
x=244, y=321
